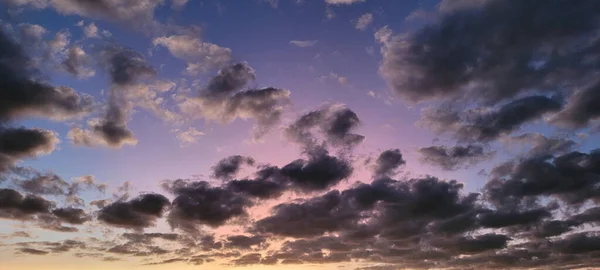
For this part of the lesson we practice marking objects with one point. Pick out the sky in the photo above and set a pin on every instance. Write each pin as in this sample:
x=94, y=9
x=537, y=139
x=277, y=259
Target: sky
x=299, y=134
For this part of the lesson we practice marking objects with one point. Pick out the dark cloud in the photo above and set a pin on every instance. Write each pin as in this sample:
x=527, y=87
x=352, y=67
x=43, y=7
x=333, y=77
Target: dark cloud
x=455, y=157
x=495, y=50
x=335, y=122
x=219, y=205
x=319, y=172
x=245, y=242
x=229, y=80
x=138, y=213
x=223, y=100
x=478, y=244
x=69, y=215
x=138, y=250
x=500, y=219
x=388, y=162
x=579, y=243
x=20, y=143
x=571, y=177
x=125, y=68
x=45, y=184
x=33, y=251
x=148, y=237
x=543, y=146
x=228, y=167
x=484, y=125
x=24, y=94
x=313, y=217
x=248, y=259
x=581, y=108
x=13, y=205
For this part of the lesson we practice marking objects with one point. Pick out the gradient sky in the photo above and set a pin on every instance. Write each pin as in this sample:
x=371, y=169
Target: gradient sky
x=299, y=134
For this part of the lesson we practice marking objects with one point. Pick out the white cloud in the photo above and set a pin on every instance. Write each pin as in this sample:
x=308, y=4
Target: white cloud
x=304, y=43
x=343, y=2
x=383, y=35
x=364, y=21
x=91, y=30
x=200, y=56
x=335, y=77
x=188, y=136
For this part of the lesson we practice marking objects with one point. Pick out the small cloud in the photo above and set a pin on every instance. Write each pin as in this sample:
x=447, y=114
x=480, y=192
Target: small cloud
x=189, y=136
x=383, y=35
x=335, y=77
x=329, y=13
x=343, y=2
x=364, y=21
x=304, y=43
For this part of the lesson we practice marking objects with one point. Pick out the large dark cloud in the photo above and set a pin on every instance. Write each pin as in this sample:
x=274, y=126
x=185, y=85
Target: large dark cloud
x=484, y=125
x=335, y=122
x=319, y=172
x=455, y=157
x=13, y=205
x=572, y=178
x=20, y=143
x=25, y=94
x=218, y=205
x=496, y=50
x=138, y=213
x=314, y=217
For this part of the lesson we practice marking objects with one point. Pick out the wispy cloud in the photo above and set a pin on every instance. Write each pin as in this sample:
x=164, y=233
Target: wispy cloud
x=304, y=43
x=364, y=21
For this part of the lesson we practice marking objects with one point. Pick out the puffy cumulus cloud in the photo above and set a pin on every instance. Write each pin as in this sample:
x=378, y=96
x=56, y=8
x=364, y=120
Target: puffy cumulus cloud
x=387, y=163
x=70, y=215
x=77, y=63
x=24, y=93
x=488, y=124
x=21, y=143
x=201, y=56
x=571, y=178
x=223, y=100
x=319, y=172
x=313, y=217
x=456, y=157
x=336, y=123
x=364, y=21
x=219, y=205
x=499, y=50
x=189, y=136
x=125, y=68
x=45, y=184
x=228, y=167
x=137, y=14
x=19, y=207
x=137, y=214
x=542, y=145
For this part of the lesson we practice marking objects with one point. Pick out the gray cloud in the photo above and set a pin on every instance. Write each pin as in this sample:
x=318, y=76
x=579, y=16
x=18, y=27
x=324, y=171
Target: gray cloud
x=455, y=157
x=499, y=49
x=335, y=122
